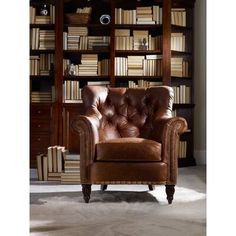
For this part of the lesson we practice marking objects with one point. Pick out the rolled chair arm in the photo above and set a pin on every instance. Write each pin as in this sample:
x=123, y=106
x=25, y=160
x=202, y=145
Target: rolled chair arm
x=87, y=127
x=168, y=131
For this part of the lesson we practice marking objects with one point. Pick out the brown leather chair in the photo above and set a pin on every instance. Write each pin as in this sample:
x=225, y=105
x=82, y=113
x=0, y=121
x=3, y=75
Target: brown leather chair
x=128, y=136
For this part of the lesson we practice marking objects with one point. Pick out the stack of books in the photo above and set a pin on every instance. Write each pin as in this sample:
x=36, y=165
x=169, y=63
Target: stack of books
x=89, y=65
x=144, y=15
x=71, y=173
x=135, y=65
x=152, y=65
x=37, y=96
x=99, y=83
x=98, y=42
x=46, y=39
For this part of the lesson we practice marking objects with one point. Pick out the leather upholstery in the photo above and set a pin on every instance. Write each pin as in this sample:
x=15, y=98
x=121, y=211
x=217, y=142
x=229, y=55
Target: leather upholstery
x=128, y=149
x=113, y=114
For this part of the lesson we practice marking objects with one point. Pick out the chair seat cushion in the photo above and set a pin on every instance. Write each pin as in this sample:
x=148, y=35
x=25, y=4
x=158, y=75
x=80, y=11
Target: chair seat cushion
x=128, y=149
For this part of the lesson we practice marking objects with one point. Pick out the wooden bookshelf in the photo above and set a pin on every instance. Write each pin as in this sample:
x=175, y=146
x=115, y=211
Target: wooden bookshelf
x=60, y=114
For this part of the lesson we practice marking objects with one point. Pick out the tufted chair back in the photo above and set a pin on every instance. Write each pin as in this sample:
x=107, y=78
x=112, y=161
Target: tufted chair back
x=127, y=112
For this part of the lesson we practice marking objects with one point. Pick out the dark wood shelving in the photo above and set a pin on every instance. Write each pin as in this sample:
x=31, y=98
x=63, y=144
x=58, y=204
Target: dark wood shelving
x=88, y=78
x=42, y=26
x=180, y=54
x=138, y=26
x=183, y=105
x=40, y=77
x=89, y=25
x=178, y=28
x=37, y=51
x=151, y=78
x=61, y=114
x=86, y=51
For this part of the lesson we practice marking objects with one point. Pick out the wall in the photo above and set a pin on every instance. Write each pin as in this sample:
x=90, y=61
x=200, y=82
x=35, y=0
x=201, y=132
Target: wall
x=200, y=81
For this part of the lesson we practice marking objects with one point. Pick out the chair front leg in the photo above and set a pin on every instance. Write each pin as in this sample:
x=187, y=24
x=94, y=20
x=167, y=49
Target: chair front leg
x=86, y=189
x=170, y=190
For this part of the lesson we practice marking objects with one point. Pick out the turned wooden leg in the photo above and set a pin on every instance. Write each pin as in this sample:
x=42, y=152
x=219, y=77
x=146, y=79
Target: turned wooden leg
x=151, y=187
x=103, y=187
x=170, y=190
x=86, y=189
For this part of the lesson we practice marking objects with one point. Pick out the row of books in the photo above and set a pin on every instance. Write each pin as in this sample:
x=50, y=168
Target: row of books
x=42, y=39
x=89, y=66
x=38, y=96
x=178, y=16
x=58, y=165
x=41, y=19
x=42, y=64
x=138, y=43
x=143, y=84
x=149, y=65
x=182, y=94
x=178, y=42
x=87, y=10
x=85, y=42
x=179, y=67
x=140, y=15
x=71, y=91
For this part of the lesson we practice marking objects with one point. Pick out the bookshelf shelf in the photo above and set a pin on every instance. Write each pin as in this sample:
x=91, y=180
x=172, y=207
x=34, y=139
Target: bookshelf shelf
x=41, y=77
x=139, y=52
x=42, y=26
x=37, y=51
x=114, y=65
x=86, y=51
x=151, y=78
x=181, y=54
x=89, y=78
x=138, y=26
x=99, y=26
x=182, y=105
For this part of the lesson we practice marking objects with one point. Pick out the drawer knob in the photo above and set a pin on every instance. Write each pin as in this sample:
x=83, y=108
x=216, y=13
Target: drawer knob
x=39, y=112
x=39, y=126
x=39, y=139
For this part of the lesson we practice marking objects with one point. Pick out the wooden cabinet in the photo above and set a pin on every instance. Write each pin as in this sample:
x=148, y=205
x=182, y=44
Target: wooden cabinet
x=40, y=130
x=160, y=32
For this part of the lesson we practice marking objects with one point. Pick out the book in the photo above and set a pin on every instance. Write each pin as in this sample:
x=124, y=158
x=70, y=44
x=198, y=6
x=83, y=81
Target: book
x=39, y=160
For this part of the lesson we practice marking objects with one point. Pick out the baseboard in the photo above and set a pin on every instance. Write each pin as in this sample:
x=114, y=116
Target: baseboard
x=200, y=157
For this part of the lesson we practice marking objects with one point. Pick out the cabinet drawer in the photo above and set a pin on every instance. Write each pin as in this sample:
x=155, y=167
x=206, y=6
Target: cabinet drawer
x=39, y=126
x=39, y=141
x=40, y=112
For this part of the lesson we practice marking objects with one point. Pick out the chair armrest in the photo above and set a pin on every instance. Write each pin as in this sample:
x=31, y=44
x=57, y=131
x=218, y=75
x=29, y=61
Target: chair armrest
x=87, y=127
x=167, y=132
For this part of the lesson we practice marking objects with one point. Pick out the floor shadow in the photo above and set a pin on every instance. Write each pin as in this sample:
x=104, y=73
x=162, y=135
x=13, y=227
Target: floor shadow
x=96, y=196
x=46, y=228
